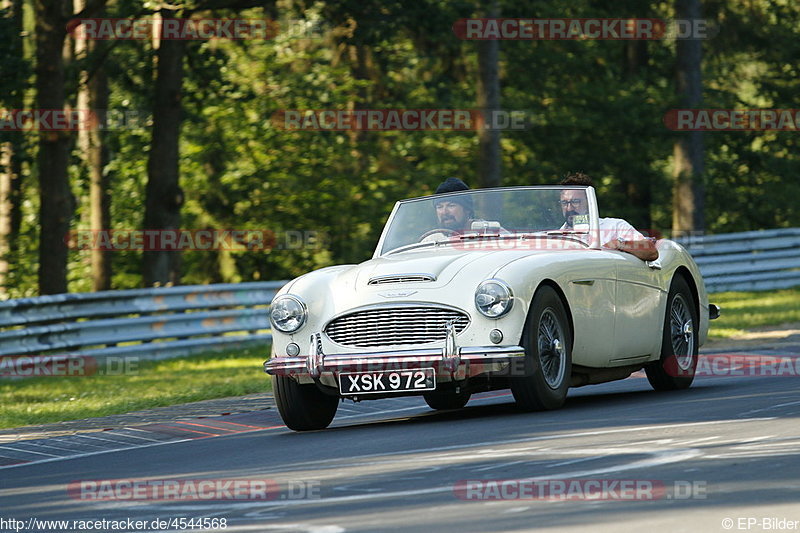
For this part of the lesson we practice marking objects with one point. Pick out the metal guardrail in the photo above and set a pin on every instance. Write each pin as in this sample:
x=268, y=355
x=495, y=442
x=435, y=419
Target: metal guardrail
x=748, y=261
x=176, y=321
x=150, y=323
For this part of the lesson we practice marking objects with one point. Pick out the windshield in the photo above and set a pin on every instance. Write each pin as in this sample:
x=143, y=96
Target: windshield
x=516, y=212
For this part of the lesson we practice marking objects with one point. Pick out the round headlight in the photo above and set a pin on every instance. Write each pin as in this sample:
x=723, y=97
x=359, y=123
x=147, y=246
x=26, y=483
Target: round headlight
x=288, y=313
x=493, y=298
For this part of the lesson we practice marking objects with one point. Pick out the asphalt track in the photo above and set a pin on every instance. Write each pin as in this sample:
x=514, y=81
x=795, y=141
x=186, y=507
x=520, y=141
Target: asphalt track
x=721, y=456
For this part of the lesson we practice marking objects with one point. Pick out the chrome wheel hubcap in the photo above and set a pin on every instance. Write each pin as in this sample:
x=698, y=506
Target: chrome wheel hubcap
x=681, y=332
x=552, y=353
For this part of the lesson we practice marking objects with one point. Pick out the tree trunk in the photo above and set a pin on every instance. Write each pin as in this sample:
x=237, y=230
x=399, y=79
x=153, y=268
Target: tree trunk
x=489, y=156
x=636, y=57
x=688, y=193
x=10, y=150
x=93, y=95
x=636, y=190
x=56, y=201
x=163, y=194
x=99, y=186
x=9, y=200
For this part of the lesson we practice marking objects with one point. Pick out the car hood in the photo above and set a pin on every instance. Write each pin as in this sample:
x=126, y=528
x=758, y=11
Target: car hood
x=333, y=291
x=443, y=264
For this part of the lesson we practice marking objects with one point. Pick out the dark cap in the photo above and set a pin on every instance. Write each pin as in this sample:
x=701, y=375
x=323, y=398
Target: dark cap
x=456, y=185
x=451, y=185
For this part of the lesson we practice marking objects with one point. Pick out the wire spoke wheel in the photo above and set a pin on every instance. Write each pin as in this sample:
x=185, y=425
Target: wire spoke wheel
x=551, y=349
x=676, y=367
x=681, y=332
x=548, y=357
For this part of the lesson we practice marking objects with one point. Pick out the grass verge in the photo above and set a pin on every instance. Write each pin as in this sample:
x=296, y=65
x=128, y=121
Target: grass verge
x=41, y=400
x=742, y=311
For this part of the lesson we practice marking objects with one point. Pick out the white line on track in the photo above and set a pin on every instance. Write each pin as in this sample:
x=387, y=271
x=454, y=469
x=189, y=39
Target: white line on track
x=90, y=454
x=31, y=452
x=389, y=411
x=656, y=459
x=320, y=463
x=772, y=407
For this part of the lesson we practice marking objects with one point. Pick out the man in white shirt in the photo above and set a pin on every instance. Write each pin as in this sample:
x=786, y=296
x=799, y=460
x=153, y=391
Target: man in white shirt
x=615, y=233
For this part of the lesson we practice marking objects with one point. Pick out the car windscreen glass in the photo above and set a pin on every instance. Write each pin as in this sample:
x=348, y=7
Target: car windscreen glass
x=487, y=212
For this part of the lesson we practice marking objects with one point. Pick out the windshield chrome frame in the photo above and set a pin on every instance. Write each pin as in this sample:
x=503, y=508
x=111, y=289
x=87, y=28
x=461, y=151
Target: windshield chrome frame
x=591, y=199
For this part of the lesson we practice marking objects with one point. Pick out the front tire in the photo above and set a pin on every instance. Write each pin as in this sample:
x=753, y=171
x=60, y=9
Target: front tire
x=676, y=368
x=303, y=407
x=548, y=354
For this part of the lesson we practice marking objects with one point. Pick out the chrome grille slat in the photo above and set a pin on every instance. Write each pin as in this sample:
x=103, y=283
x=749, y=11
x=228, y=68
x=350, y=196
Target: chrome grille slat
x=395, y=326
x=384, y=324
x=401, y=278
x=378, y=318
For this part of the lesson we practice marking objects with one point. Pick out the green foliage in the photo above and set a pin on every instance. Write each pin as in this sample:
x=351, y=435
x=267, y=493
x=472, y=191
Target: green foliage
x=594, y=106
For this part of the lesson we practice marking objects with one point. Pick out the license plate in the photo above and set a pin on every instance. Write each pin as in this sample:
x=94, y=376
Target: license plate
x=420, y=379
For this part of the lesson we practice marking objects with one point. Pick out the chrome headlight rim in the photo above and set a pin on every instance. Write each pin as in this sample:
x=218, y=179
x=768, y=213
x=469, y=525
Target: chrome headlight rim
x=508, y=298
x=303, y=316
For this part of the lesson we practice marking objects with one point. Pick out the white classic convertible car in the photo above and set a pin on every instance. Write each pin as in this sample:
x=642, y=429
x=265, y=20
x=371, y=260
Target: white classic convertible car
x=518, y=296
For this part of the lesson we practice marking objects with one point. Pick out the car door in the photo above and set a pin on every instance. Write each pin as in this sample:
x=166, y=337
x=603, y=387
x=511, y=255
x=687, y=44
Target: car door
x=589, y=282
x=638, y=315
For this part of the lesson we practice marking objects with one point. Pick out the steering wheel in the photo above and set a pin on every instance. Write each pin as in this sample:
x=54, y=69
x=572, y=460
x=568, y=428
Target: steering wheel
x=448, y=232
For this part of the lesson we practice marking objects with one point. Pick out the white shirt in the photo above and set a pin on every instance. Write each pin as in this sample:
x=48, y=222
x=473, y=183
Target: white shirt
x=616, y=228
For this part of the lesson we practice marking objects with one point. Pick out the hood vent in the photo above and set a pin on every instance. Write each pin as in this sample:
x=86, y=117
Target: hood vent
x=401, y=278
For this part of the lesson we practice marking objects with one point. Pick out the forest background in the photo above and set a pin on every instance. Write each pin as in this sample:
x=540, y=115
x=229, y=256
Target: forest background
x=195, y=145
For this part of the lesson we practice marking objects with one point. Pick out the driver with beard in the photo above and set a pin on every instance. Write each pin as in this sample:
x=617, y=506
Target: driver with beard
x=454, y=212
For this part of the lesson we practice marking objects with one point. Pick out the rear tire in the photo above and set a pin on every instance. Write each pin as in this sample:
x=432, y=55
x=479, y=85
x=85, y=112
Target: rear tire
x=548, y=354
x=676, y=368
x=303, y=407
x=442, y=401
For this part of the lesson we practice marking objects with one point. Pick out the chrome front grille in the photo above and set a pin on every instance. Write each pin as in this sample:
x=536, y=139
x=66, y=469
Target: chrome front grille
x=401, y=278
x=387, y=326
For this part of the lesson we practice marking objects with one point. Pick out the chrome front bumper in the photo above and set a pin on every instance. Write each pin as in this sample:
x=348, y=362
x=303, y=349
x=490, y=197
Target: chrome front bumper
x=451, y=362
